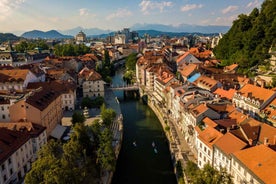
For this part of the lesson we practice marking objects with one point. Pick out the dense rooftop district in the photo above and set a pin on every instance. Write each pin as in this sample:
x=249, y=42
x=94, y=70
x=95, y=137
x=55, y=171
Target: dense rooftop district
x=227, y=119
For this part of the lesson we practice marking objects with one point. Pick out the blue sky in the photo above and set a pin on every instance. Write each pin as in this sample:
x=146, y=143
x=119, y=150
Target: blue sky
x=26, y=15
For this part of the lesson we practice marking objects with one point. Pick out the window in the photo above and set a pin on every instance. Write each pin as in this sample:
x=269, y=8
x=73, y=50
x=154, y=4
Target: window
x=200, y=154
x=9, y=160
x=11, y=171
x=3, y=116
x=5, y=178
x=204, y=149
x=200, y=145
x=3, y=167
x=25, y=168
x=2, y=108
x=209, y=153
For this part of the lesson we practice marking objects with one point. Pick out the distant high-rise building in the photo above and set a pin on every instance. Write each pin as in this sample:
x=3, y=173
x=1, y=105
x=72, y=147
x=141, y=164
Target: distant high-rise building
x=126, y=36
x=80, y=37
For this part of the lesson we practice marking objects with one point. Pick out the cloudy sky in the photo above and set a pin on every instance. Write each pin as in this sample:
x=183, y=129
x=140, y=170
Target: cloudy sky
x=26, y=15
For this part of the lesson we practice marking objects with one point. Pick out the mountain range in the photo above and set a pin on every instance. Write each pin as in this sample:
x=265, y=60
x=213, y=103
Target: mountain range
x=52, y=34
x=158, y=27
x=151, y=29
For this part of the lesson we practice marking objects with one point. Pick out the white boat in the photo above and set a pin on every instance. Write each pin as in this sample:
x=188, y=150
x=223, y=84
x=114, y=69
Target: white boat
x=153, y=144
x=155, y=150
x=134, y=144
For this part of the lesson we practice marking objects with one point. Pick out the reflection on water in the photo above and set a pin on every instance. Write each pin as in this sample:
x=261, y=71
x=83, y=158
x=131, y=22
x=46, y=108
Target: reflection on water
x=139, y=163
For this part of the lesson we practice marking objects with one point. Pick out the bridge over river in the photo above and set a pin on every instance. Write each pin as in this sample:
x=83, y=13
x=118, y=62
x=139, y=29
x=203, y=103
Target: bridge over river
x=129, y=87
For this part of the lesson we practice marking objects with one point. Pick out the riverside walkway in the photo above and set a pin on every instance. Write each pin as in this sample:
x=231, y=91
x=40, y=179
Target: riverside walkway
x=116, y=128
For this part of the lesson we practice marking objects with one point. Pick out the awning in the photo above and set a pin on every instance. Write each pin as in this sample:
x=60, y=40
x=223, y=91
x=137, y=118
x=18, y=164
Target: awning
x=58, y=131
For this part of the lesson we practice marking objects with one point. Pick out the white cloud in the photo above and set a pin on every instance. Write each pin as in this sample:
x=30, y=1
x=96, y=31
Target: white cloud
x=7, y=6
x=228, y=20
x=253, y=4
x=147, y=5
x=189, y=7
x=229, y=9
x=119, y=14
x=83, y=12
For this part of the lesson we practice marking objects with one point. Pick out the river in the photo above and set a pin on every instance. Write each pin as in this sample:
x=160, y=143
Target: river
x=140, y=163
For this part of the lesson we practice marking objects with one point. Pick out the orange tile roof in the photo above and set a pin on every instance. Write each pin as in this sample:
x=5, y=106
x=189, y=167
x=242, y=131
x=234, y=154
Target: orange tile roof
x=209, y=136
x=229, y=143
x=180, y=58
x=252, y=91
x=187, y=70
x=199, y=109
x=238, y=116
x=220, y=108
x=206, y=81
x=31, y=128
x=231, y=67
x=89, y=74
x=209, y=122
x=13, y=75
x=261, y=160
x=268, y=132
x=225, y=93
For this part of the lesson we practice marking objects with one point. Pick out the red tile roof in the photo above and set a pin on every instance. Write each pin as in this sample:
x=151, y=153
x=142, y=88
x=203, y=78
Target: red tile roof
x=30, y=128
x=255, y=92
x=267, y=132
x=229, y=143
x=228, y=94
x=13, y=75
x=209, y=136
x=260, y=160
x=187, y=70
x=10, y=142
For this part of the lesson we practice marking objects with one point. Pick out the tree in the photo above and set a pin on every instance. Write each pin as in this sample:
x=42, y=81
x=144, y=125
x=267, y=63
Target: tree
x=108, y=115
x=70, y=50
x=67, y=163
x=105, y=154
x=77, y=117
x=207, y=175
x=131, y=61
x=248, y=41
x=47, y=164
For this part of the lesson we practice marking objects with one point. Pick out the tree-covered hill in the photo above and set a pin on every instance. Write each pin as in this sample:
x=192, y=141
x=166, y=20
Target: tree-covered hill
x=250, y=37
x=7, y=37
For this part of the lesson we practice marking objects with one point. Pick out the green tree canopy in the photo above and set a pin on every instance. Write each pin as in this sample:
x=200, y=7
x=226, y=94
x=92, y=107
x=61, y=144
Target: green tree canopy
x=207, y=175
x=67, y=163
x=105, y=154
x=71, y=50
x=248, y=41
x=108, y=115
x=77, y=117
x=25, y=46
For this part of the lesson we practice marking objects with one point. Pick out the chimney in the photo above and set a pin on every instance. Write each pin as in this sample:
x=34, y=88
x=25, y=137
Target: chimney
x=228, y=129
x=262, y=84
x=266, y=141
x=250, y=142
